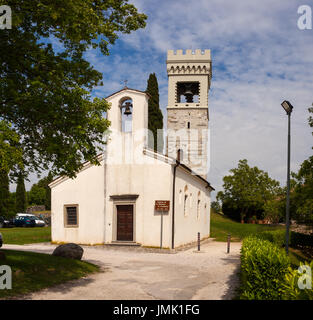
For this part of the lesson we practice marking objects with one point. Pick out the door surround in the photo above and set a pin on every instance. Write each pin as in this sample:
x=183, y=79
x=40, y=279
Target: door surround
x=123, y=200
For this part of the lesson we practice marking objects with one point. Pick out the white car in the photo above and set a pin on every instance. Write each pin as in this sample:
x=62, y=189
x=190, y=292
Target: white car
x=39, y=222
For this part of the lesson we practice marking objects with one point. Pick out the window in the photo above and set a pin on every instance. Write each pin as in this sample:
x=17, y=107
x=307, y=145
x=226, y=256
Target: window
x=185, y=205
x=180, y=196
x=71, y=215
x=187, y=92
x=198, y=209
x=126, y=114
x=198, y=205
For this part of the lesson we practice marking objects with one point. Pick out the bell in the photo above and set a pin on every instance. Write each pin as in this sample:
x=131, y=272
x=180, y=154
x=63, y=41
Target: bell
x=127, y=111
x=188, y=94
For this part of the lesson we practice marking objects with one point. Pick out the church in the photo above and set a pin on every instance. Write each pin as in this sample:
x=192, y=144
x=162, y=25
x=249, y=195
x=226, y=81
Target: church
x=138, y=196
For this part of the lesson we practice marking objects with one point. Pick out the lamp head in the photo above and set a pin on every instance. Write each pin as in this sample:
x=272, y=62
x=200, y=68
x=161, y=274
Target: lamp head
x=287, y=107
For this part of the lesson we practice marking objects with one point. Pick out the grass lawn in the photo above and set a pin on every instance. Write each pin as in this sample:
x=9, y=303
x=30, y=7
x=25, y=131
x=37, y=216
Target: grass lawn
x=26, y=235
x=222, y=226
x=34, y=271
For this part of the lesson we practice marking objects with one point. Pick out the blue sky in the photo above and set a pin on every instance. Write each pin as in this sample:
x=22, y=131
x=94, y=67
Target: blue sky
x=259, y=58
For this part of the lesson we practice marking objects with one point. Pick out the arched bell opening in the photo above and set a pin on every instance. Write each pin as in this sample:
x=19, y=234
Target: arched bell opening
x=126, y=114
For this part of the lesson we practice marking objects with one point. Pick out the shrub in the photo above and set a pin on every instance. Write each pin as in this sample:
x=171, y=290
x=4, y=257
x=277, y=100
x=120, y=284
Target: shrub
x=263, y=269
x=277, y=237
x=290, y=289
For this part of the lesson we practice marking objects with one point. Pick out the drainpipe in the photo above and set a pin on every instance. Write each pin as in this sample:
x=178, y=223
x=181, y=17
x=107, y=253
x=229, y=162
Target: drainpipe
x=177, y=163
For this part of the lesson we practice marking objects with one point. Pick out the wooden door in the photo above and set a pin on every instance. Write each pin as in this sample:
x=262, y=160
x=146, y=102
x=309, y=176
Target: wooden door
x=124, y=222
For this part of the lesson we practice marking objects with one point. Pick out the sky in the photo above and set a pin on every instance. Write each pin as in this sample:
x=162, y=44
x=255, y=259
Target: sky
x=259, y=58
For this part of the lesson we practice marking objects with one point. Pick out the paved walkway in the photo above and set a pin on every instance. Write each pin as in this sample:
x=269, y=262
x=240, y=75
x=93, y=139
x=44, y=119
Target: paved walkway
x=130, y=274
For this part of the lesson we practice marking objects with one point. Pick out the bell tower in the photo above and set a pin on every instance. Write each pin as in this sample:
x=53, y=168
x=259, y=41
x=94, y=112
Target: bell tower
x=189, y=79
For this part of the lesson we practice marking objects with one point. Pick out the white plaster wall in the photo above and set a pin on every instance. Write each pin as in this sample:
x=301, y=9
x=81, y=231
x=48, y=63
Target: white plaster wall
x=187, y=226
x=151, y=182
x=86, y=190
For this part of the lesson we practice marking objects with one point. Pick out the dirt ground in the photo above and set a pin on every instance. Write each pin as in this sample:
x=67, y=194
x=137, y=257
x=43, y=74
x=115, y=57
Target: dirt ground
x=127, y=274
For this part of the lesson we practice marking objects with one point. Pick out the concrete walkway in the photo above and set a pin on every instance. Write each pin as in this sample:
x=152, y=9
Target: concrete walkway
x=130, y=274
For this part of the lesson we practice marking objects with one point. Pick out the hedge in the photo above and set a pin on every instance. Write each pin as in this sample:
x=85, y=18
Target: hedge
x=278, y=237
x=263, y=268
x=266, y=273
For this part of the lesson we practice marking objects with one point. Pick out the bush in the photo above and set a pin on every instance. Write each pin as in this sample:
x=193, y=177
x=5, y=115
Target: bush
x=277, y=237
x=263, y=269
x=290, y=289
x=266, y=273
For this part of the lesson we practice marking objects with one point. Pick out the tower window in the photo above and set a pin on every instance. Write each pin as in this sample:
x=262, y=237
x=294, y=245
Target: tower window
x=188, y=125
x=188, y=92
x=126, y=115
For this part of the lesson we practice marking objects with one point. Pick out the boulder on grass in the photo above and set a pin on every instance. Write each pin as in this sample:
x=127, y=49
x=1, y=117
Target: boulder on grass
x=69, y=250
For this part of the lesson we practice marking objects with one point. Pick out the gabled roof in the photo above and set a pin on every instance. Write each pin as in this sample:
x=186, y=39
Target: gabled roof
x=129, y=89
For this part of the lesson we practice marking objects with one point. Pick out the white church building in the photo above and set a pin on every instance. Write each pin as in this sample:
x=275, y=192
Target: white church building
x=136, y=195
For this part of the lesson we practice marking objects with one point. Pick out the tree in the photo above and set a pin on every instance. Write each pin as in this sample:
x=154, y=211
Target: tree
x=11, y=155
x=45, y=90
x=40, y=193
x=302, y=195
x=216, y=207
x=36, y=195
x=4, y=192
x=155, y=116
x=21, y=202
x=246, y=192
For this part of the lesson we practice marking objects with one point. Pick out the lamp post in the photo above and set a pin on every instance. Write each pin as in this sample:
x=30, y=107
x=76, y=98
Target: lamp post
x=288, y=108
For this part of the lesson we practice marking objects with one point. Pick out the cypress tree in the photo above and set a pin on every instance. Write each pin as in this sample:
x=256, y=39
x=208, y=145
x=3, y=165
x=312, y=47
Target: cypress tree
x=4, y=192
x=20, y=194
x=155, y=117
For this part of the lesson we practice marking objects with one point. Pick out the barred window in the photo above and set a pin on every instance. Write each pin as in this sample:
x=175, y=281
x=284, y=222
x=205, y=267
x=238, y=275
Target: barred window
x=71, y=215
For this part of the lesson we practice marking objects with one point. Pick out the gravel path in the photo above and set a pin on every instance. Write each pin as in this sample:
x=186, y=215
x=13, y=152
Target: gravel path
x=211, y=274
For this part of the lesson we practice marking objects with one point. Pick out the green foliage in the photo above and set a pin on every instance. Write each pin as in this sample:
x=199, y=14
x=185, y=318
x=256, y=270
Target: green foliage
x=266, y=272
x=11, y=155
x=20, y=196
x=46, y=90
x=155, y=117
x=40, y=193
x=274, y=210
x=216, y=207
x=310, y=119
x=36, y=195
x=263, y=267
x=290, y=290
x=4, y=193
x=278, y=237
x=246, y=192
x=302, y=195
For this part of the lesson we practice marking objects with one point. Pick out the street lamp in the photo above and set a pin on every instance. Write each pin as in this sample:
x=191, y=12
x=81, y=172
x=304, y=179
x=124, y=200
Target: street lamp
x=288, y=108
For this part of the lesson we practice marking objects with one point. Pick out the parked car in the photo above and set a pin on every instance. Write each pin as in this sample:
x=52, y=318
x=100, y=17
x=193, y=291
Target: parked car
x=24, y=221
x=39, y=222
x=6, y=223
